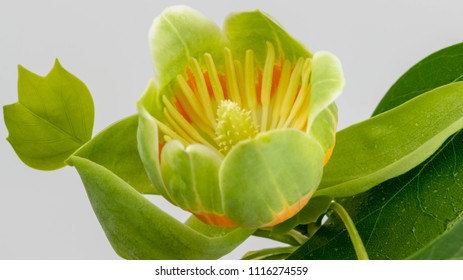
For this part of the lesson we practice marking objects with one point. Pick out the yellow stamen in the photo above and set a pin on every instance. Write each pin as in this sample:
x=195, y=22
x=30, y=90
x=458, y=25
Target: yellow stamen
x=171, y=121
x=203, y=111
x=267, y=85
x=214, y=78
x=189, y=95
x=170, y=133
x=250, y=85
x=290, y=92
x=202, y=91
x=277, y=101
x=302, y=94
x=189, y=132
x=194, y=118
x=302, y=117
x=232, y=86
x=240, y=83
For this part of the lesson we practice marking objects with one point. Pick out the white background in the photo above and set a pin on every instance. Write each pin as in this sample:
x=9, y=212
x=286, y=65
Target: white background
x=46, y=215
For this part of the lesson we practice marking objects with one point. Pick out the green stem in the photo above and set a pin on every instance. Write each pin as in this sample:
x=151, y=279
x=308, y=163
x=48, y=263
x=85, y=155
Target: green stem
x=270, y=254
x=292, y=237
x=351, y=229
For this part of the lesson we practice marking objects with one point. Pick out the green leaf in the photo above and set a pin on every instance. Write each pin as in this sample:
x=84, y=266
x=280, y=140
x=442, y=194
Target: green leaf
x=252, y=30
x=417, y=215
x=446, y=246
x=178, y=34
x=269, y=254
x=115, y=148
x=258, y=187
x=438, y=69
x=52, y=118
x=392, y=143
x=137, y=229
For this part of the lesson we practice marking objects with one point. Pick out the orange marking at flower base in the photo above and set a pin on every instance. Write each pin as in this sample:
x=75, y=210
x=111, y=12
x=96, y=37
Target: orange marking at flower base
x=290, y=211
x=215, y=219
x=191, y=80
x=276, y=79
x=178, y=105
x=222, y=80
x=160, y=147
x=328, y=155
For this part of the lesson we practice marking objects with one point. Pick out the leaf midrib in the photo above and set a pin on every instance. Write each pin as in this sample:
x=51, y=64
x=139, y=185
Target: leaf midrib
x=72, y=137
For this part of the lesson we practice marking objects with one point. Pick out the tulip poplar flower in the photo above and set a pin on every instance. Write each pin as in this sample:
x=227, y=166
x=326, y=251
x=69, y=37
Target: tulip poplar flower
x=240, y=122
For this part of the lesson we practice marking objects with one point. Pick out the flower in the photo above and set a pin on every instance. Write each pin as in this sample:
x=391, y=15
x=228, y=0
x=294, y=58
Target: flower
x=241, y=121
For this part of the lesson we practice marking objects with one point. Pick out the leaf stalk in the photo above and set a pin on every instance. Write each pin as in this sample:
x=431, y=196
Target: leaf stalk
x=351, y=229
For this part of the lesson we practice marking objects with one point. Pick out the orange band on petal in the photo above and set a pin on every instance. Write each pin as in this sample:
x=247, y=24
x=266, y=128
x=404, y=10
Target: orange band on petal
x=215, y=219
x=328, y=155
x=290, y=211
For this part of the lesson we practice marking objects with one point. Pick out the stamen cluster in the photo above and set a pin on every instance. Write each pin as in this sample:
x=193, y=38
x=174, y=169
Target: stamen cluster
x=220, y=109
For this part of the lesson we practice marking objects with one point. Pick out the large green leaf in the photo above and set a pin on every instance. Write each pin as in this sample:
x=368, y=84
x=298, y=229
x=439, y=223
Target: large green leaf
x=392, y=143
x=438, y=69
x=418, y=215
x=52, y=118
x=115, y=148
x=137, y=229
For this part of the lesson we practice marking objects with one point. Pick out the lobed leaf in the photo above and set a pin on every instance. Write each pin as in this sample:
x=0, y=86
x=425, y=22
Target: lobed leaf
x=52, y=118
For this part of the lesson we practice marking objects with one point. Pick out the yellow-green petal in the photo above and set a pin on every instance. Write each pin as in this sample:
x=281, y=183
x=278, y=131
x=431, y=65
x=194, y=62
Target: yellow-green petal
x=252, y=30
x=324, y=129
x=148, y=148
x=261, y=179
x=179, y=34
x=327, y=83
x=191, y=177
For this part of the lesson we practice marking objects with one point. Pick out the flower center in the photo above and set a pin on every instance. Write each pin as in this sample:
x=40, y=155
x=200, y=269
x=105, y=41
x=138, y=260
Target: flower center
x=233, y=125
x=219, y=107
